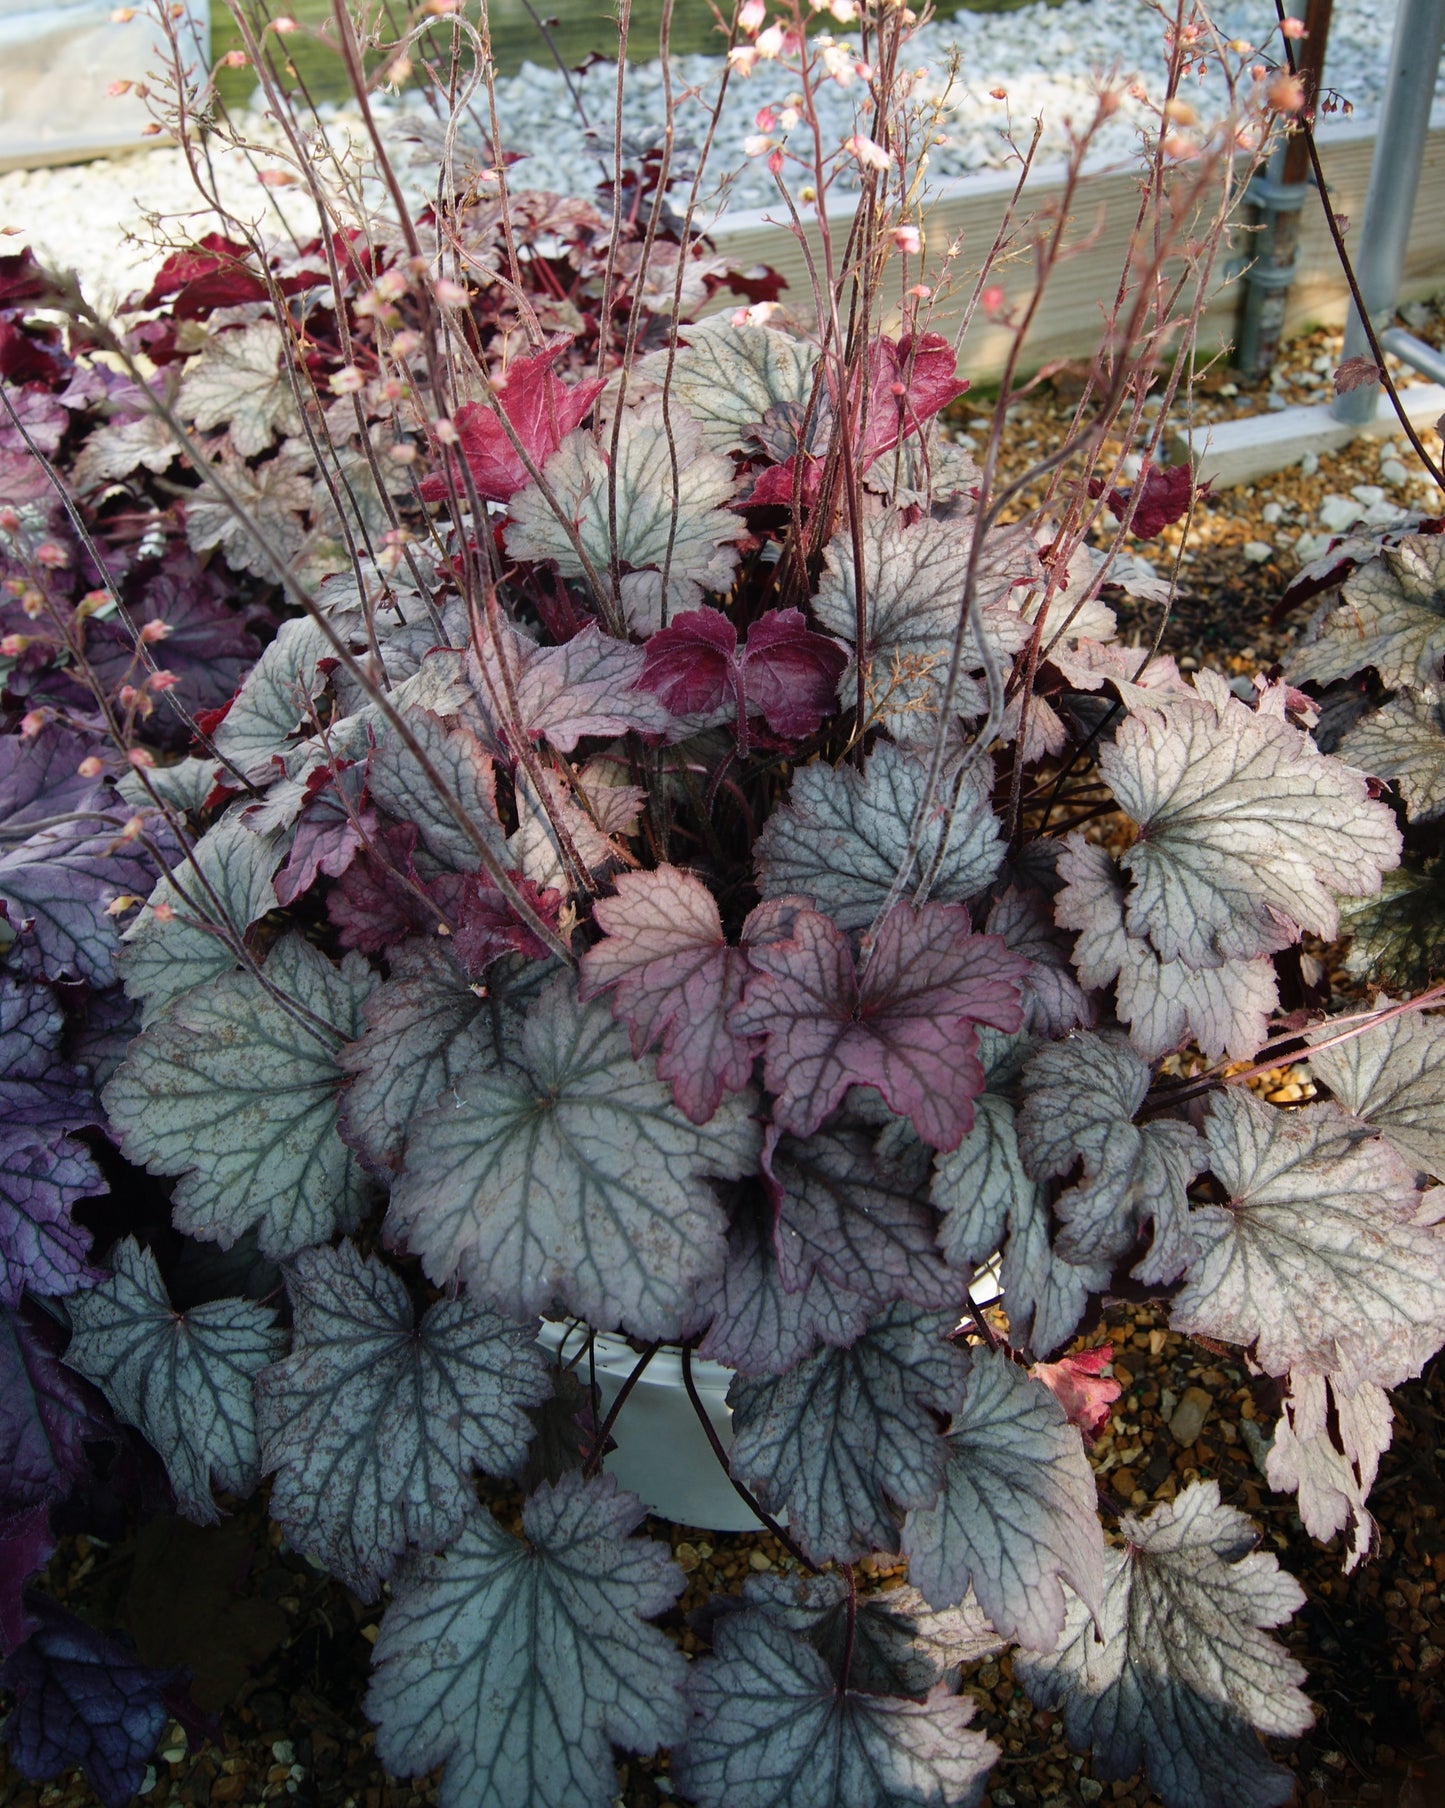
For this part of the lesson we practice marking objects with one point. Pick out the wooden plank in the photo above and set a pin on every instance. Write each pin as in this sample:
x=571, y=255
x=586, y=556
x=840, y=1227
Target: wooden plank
x=1070, y=317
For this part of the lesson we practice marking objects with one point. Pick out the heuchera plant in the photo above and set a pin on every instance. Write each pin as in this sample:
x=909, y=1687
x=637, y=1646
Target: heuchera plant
x=522, y=802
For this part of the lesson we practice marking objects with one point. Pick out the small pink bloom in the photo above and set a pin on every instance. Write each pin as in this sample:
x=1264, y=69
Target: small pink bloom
x=869, y=154
x=13, y=645
x=90, y=767
x=153, y=631
x=451, y=294
x=31, y=724
x=908, y=239
x=750, y=19
x=992, y=301
x=53, y=557
x=347, y=381
x=162, y=681
x=1293, y=28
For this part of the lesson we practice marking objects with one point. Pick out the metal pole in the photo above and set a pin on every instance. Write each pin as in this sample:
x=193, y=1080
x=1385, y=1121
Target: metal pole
x=1394, y=178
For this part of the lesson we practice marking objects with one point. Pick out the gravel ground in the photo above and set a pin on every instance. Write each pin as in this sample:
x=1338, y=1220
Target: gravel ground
x=280, y=1653
x=1047, y=59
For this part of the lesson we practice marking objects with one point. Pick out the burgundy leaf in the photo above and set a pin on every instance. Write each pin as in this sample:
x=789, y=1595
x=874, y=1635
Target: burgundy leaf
x=542, y=411
x=25, y=1548
x=674, y=980
x=22, y=279
x=1081, y=1387
x=1357, y=373
x=785, y=673
x=329, y=835
x=26, y=358
x=911, y=379
x=214, y=273
x=905, y=1024
x=1164, y=499
x=483, y=924
x=373, y=907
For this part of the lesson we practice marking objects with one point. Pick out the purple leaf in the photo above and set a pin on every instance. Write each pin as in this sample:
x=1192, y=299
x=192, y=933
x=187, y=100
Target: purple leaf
x=47, y=1412
x=589, y=686
x=43, y=1170
x=906, y=1024
x=785, y=673
x=25, y=1548
x=329, y=832
x=83, y=1698
x=63, y=860
x=674, y=980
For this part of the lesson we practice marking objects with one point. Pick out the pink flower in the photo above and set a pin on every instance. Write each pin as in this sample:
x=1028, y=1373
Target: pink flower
x=869, y=154
x=908, y=239
x=750, y=19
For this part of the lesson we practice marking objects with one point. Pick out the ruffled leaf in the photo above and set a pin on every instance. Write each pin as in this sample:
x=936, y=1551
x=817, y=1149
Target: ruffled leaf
x=240, y=383
x=1326, y=1450
x=783, y=672
x=1405, y=743
x=1392, y=1077
x=727, y=378
x=1390, y=616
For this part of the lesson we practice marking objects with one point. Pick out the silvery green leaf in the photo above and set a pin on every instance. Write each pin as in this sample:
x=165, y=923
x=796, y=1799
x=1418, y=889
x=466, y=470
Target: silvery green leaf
x=425, y=1028
x=221, y=887
x=236, y=1094
x=1404, y=742
x=772, y=1729
x=273, y=709
x=183, y=1379
x=1398, y=938
x=858, y=1214
x=114, y=450
x=847, y=1440
x=1392, y=1076
x=374, y=1422
x=185, y=785
x=914, y=581
x=276, y=497
x=680, y=521
x=841, y=834
x=1017, y=1516
x=1053, y=999
x=727, y=377
x=1080, y=1096
x=399, y=786
x=984, y=1193
x=900, y=1645
x=1320, y=1259
x=569, y=1176
x=1247, y=833
x=240, y=383
x=1390, y=615
x=756, y=1325
x=1326, y=1449
x=1185, y=1674
x=517, y=1665
x=1226, y=1008
x=588, y=686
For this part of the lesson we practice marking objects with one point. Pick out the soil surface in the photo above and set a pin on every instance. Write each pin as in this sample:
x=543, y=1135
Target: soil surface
x=280, y=1652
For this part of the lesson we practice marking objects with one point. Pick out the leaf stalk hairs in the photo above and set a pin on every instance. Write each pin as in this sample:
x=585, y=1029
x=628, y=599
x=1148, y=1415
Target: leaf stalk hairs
x=532, y=788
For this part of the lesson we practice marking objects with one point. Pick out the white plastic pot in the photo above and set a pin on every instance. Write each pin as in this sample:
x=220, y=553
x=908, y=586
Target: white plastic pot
x=58, y=59
x=663, y=1454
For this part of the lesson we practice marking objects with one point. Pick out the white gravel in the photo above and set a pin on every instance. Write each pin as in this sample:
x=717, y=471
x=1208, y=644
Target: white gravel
x=92, y=217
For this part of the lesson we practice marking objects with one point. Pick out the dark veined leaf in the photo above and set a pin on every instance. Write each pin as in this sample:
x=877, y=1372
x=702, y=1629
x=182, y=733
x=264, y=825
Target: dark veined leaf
x=1322, y=1259
x=1392, y=1077
x=983, y=1190
x=905, y=1023
x=1326, y=1450
x=914, y=579
x=899, y=1645
x=63, y=858
x=773, y=1729
x=1398, y=938
x=542, y=411
x=1405, y=743
x=858, y=1214
x=673, y=979
x=754, y=1324
x=1185, y=1672
x=841, y=835
x=43, y=1169
x=46, y=1412
x=1390, y=616
x=1053, y=1000
x=727, y=377
x=240, y=383
x=590, y=685
x=671, y=512
x=1225, y=1008
x=847, y=1440
x=1080, y=1096
x=83, y=1699
x=399, y=785
x=374, y=1422
x=237, y=1094
x=1017, y=1514
x=425, y=1027
x=1248, y=833
x=273, y=710
x=1357, y=373
x=186, y=934
x=566, y=1174
x=278, y=497
x=515, y=1665
x=783, y=672
x=183, y=1379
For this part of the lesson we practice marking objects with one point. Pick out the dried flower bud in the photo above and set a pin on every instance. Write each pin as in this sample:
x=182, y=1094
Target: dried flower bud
x=142, y=759
x=998, y=93
x=1285, y=93
x=278, y=178
x=122, y=15
x=1180, y=113
x=117, y=88
x=119, y=905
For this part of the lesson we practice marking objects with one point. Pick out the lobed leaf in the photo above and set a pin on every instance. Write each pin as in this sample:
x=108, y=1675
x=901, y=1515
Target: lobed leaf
x=374, y=1423
x=47, y=1413
x=240, y=383
x=183, y=1379
x=1404, y=742
x=1390, y=616
x=1326, y=1450
x=728, y=377
x=1392, y=1077
x=515, y=1665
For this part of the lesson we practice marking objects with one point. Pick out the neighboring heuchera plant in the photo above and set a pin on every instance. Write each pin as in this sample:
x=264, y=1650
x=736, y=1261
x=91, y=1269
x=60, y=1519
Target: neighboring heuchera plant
x=642, y=881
